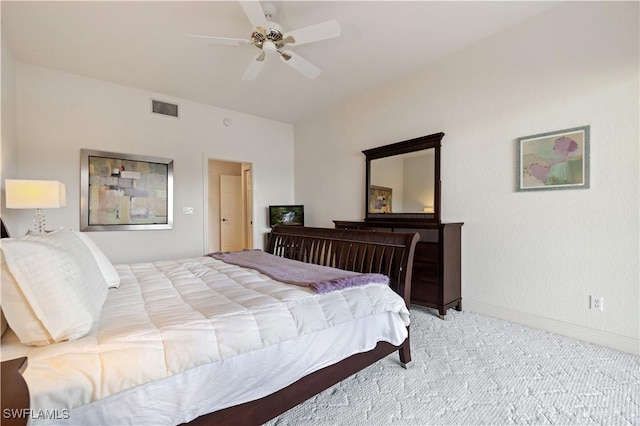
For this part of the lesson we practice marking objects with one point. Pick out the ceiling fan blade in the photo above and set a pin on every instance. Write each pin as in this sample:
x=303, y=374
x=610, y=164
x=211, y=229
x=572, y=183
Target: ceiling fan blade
x=221, y=40
x=301, y=65
x=254, y=12
x=288, y=39
x=321, y=31
x=286, y=56
x=254, y=67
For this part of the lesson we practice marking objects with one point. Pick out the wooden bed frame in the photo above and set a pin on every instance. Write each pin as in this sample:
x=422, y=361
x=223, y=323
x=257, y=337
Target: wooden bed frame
x=360, y=251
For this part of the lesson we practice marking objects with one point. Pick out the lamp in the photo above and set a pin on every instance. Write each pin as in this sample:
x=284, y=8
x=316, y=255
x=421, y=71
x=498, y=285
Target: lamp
x=35, y=194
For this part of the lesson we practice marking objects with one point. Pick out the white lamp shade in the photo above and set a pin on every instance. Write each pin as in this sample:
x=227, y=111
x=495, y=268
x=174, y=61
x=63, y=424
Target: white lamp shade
x=34, y=194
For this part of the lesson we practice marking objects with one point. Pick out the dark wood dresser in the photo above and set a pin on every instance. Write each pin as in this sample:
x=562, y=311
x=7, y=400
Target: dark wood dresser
x=436, y=274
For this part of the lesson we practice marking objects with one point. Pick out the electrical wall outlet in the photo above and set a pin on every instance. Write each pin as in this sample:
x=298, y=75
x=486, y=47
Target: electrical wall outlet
x=597, y=303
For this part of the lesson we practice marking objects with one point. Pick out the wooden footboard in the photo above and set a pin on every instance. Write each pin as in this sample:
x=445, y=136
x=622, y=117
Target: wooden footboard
x=360, y=251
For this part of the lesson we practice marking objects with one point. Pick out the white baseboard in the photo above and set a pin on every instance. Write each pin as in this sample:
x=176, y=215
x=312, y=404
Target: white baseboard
x=598, y=337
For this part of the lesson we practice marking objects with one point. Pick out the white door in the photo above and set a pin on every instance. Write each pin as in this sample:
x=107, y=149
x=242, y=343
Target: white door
x=231, y=226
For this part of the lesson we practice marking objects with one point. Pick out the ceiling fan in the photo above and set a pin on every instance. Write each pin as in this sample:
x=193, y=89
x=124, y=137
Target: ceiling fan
x=269, y=37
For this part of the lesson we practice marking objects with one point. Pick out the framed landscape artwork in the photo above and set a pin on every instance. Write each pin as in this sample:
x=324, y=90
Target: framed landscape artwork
x=554, y=160
x=125, y=192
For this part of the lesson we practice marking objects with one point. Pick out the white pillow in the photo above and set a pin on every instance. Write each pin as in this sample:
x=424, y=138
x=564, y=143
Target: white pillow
x=109, y=273
x=54, y=289
x=18, y=312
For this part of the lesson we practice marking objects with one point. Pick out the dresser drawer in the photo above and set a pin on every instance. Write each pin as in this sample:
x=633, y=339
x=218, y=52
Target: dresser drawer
x=426, y=235
x=423, y=292
x=427, y=252
x=426, y=272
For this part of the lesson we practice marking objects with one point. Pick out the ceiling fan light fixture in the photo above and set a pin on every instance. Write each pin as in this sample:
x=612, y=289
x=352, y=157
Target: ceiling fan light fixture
x=269, y=46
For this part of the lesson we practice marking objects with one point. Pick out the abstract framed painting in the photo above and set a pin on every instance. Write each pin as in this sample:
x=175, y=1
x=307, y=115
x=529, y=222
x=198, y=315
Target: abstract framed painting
x=122, y=192
x=554, y=160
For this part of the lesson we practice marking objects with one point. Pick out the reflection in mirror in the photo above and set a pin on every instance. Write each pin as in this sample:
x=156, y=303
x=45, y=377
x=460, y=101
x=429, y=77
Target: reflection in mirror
x=403, y=183
x=403, y=180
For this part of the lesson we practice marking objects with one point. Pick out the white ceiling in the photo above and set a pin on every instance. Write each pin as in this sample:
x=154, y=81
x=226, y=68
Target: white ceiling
x=145, y=44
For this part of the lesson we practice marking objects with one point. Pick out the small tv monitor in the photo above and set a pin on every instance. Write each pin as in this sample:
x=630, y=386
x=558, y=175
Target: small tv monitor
x=286, y=215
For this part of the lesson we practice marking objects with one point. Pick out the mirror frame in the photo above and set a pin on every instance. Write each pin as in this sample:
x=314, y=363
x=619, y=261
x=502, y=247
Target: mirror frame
x=412, y=145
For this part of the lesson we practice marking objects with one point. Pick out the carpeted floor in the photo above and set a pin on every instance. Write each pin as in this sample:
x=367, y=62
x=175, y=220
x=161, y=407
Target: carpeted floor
x=475, y=370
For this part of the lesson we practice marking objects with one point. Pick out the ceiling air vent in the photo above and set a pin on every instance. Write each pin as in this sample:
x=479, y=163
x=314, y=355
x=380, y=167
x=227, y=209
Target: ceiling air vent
x=164, y=108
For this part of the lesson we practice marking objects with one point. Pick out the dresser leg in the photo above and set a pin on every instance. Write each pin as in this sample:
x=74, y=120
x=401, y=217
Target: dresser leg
x=442, y=313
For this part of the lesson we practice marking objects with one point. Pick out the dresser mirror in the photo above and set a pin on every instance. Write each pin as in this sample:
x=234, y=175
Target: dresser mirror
x=403, y=180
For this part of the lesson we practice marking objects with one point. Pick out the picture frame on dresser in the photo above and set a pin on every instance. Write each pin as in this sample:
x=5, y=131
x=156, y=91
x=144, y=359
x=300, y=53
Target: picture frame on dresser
x=380, y=199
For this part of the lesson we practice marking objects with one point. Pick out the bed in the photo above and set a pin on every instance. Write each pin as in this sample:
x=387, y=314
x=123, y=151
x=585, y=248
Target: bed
x=300, y=340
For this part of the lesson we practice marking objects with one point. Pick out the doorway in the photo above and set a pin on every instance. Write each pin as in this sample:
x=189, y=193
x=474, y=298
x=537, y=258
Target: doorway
x=230, y=206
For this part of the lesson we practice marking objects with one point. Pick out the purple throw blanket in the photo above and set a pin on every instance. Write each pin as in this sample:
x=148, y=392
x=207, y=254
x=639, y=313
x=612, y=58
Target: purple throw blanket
x=322, y=279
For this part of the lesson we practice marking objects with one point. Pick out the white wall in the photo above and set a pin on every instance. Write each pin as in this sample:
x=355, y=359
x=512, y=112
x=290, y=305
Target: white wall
x=531, y=257
x=59, y=113
x=8, y=149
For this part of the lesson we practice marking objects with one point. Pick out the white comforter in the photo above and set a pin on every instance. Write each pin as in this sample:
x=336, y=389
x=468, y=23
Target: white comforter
x=176, y=317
